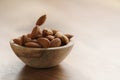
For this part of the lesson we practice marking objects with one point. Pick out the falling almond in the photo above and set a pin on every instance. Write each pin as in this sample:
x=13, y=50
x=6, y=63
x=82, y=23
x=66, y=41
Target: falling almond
x=41, y=20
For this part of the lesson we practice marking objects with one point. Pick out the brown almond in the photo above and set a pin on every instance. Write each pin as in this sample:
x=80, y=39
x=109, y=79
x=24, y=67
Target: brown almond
x=18, y=41
x=64, y=40
x=29, y=35
x=41, y=20
x=35, y=32
x=58, y=35
x=34, y=40
x=69, y=36
x=26, y=38
x=39, y=36
x=54, y=31
x=44, y=42
x=50, y=37
x=23, y=40
x=47, y=32
x=32, y=45
x=55, y=42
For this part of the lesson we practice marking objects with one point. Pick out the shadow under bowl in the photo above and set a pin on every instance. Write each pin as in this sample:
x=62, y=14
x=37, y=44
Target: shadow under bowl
x=41, y=57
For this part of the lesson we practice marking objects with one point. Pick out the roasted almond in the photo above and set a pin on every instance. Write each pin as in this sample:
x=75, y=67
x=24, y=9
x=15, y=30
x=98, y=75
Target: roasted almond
x=32, y=44
x=69, y=36
x=54, y=31
x=50, y=37
x=58, y=35
x=26, y=39
x=64, y=40
x=29, y=35
x=41, y=20
x=35, y=32
x=23, y=39
x=44, y=42
x=18, y=41
x=55, y=42
x=47, y=32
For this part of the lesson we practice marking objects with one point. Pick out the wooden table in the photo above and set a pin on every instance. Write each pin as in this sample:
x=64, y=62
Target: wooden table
x=95, y=24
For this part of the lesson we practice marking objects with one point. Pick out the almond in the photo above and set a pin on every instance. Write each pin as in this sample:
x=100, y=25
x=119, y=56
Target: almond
x=47, y=32
x=44, y=42
x=32, y=44
x=69, y=36
x=34, y=40
x=50, y=37
x=58, y=35
x=35, y=32
x=29, y=35
x=64, y=40
x=26, y=38
x=23, y=40
x=54, y=31
x=41, y=20
x=55, y=42
x=18, y=41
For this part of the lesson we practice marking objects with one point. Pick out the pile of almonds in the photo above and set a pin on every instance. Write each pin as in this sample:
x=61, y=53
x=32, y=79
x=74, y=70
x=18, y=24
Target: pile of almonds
x=43, y=38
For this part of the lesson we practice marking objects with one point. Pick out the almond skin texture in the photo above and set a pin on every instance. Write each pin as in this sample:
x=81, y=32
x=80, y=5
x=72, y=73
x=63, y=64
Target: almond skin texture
x=55, y=42
x=58, y=35
x=47, y=32
x=64, y=40
x=69, y=36
x=44, y=42
x=32, y=44
x=35, y=32
x=50, y=37
x=41, y=20
x=18, y=41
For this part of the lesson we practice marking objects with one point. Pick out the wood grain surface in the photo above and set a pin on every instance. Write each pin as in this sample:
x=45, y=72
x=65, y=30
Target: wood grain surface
x=94, y=23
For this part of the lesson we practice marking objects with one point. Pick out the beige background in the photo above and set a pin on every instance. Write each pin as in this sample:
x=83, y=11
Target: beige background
x=95, y=24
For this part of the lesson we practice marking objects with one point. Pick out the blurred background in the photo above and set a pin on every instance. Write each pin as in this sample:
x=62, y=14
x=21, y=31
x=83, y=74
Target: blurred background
x=94, y=23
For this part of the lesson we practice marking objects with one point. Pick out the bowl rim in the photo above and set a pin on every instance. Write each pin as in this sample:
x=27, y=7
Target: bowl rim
x=71, y=43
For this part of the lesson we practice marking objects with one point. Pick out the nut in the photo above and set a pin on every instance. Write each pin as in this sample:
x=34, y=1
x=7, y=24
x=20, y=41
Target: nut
x=58, y=35
x=32, y=44
x=54, y=31
x=29, y=35
x=41, y=20
x=69, y=36
x=64, y=40
x=35, y=32
x=55, y=42
x=34, y=40
x=26, y=39
x=44, y=42
x=47, y=32
x=18, y=41
x=50, y=37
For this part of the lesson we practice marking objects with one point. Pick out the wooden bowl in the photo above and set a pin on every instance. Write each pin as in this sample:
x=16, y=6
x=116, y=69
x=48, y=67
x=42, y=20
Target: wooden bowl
x=41, y=57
